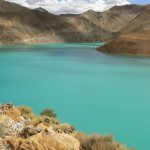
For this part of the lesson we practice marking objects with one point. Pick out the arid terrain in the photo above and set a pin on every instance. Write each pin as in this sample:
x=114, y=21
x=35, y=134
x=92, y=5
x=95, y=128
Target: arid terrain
x=134, y=38
x=21, y=129
x=132, y=44
x=20, y=25
x=116, y=26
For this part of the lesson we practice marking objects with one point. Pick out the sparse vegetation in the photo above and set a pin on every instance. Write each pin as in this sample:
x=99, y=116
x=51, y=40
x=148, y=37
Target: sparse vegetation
x=46, y=131
x=26, y=112
x=98, y=142
x=48, y=112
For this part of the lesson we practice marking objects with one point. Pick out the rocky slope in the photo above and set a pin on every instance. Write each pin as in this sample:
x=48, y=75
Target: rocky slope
x=22, y=25
x=134, y=38
x=21, y=129
x=131, y=44
x=140, y=24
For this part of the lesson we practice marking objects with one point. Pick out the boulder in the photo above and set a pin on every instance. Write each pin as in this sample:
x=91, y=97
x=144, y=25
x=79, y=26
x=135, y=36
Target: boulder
x=11, y=111
x=9, y=127
x=52, y=141
x=29, y=131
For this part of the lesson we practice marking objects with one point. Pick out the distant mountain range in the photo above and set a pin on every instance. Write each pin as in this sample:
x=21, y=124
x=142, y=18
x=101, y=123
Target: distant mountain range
x=19, y=24
x=125, y=29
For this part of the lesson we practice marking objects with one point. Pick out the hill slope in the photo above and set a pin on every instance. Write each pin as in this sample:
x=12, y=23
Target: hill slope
x=135, y=44
x=140, y=24
x=134, y=37
x=22, y=25
x=21, y=129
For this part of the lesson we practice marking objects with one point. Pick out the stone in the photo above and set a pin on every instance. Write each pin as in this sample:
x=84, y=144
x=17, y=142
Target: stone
x=64, y=128
x=11, y=111
x=9, y=127
x=13, y=143
x=29, y=131
x=52, y=141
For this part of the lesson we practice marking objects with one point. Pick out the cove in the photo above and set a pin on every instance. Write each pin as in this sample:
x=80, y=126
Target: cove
x=95, y=92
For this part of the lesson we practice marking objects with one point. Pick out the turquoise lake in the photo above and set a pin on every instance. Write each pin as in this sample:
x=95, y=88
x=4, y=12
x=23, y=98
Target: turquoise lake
x=95, y=92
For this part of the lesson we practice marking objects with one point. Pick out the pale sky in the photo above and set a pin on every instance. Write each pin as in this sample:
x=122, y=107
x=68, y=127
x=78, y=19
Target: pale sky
x=75, y=6
x=140, y=1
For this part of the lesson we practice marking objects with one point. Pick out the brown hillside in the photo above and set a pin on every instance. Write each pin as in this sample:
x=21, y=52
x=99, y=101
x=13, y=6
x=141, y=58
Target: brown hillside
x=135, y=44
x=22, y=25
x=134, y=37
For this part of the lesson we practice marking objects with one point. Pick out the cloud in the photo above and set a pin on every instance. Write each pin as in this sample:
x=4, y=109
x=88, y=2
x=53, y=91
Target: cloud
x=71, y=6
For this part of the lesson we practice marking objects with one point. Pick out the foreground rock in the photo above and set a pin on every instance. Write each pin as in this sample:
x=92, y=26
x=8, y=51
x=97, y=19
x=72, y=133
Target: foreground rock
x=133, y=44
x=20, y=129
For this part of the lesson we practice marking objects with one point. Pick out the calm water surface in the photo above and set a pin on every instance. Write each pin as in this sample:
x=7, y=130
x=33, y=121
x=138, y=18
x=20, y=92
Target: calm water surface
x=93, y=91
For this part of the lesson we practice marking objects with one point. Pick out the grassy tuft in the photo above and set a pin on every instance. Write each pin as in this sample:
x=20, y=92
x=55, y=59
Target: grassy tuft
x=97, y=142
x=26, y=112
x=48, y=112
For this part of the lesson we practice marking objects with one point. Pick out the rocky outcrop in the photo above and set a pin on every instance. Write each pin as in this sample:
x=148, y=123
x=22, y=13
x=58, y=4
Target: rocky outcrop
x=18, y=133
x=9, y=127
x=11, y=121
x=54, y=141
x=46, y=140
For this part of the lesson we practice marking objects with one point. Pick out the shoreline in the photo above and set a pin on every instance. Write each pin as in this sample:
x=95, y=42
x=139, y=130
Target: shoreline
x=51, y=43
x=122, y=54
x=21, y=129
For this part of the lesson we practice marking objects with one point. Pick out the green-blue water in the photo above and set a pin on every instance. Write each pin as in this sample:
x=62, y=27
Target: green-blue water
x=93, y=91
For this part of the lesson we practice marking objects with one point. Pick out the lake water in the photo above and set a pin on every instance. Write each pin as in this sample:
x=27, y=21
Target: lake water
x=95, y=92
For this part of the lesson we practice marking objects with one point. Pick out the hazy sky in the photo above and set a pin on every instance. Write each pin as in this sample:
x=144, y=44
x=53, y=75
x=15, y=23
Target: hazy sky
x=75, y=6
x=140, y=1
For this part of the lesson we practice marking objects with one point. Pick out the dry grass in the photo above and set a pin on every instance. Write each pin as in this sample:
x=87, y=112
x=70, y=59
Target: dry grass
x=48, y=112
x=26, y=112
x=97, y=142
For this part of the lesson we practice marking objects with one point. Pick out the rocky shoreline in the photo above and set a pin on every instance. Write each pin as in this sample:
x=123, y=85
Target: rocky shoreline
x=131, y=44
x=21, y=129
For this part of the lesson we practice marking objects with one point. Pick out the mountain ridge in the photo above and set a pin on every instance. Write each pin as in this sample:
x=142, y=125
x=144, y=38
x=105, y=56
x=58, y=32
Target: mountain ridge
x=21, y=25
x=134, y=38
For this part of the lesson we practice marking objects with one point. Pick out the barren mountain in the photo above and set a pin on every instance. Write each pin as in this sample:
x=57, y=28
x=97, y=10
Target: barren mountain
x=140, y=24
x=22, y=25
x=130, y=44
x=134, y=37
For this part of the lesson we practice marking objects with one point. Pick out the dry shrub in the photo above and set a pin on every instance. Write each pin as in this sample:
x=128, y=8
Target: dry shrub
x=26, y=112
x=48, y=112
x=97, y=142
